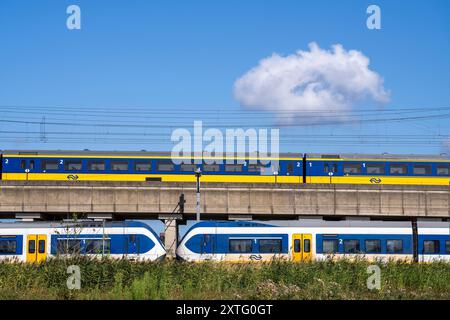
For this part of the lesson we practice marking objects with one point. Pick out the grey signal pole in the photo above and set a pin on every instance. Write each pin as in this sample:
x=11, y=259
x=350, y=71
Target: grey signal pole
x=198, y=174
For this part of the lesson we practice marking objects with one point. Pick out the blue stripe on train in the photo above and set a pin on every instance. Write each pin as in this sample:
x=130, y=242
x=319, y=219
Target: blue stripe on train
x=407, y=241
x=120, y=243
x=219, y=243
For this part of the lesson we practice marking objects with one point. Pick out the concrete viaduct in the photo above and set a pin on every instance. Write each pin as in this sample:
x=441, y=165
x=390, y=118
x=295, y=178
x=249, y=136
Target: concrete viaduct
x=50, y=200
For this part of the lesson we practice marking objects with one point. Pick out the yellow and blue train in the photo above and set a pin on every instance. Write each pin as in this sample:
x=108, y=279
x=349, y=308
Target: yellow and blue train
x=293, y=168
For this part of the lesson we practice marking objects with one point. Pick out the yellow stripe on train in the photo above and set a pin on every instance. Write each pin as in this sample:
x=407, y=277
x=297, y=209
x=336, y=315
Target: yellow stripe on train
x=379, y=180
x=374, y=180
x=143, y=177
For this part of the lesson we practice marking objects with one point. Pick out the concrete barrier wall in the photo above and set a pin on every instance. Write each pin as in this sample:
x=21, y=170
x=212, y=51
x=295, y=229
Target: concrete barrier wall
x=149, y=199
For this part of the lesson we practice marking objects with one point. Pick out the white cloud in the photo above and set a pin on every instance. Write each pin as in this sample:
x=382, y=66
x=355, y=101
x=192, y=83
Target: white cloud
x=315, y=80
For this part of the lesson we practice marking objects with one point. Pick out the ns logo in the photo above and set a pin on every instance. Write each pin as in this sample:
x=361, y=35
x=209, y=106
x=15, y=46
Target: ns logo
x=72, y=177
x=375, y=180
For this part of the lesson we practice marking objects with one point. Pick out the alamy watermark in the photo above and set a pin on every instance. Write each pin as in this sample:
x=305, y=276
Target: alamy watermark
x=374, y=280
x=74, y=280
x=373, y=22
x=73, y=21
x=237, y=146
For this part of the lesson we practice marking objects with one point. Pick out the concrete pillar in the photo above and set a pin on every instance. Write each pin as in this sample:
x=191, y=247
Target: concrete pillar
x=171, y=237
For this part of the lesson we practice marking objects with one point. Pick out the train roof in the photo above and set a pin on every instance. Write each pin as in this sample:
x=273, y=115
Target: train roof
x=384, y=156
x=65, y=224
x=145, y=153
x=142, y=153
x=321, y=223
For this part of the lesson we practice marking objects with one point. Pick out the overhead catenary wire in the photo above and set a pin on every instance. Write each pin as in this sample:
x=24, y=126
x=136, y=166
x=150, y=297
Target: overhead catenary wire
x=153, y=126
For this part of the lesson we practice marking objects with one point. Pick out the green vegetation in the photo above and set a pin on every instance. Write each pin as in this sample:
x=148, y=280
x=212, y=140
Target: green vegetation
x=107, y=279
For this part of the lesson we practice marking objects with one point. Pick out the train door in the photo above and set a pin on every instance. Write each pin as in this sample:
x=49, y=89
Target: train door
x=330, y=169
x=295, y=169
x=36, y=247
x=301, y=247
x=307, y=251
x=27, y=166
x=132, y=245
x=297, y=247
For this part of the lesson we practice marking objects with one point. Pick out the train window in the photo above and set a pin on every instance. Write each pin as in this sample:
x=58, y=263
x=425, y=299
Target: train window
x=270, y=246
x=8, y=246
x=306, y=245
x=373, y=168
x=41, y=246
x=398, y=169
x=68, y=246
x=351, y=246
x=119, y=165
x=447, y=246
x=73, y=165
x=422, y=169
x=211, y=168
x=443, y=170
x=206, y=239
x=98, y=246
x=31, y=246
x=394, y=246
x=431, y=246
x=50, y=165
x=165, y=166
x=233, y=167
x=254, y=168
x=96, y=166
x=143, y=166
x=373, y=246
x=23, y=164
x=240, y=245
x=327, y=168
x=297, y=246
x=330, y=246
x=188, y=167
x=352, y=168
x=290, y=168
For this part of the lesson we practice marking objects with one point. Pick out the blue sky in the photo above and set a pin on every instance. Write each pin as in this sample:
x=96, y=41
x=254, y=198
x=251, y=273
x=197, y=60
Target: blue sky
x=149, y=61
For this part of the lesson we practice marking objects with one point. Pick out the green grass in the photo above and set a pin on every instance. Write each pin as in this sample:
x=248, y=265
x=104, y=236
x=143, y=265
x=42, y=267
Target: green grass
x=121, y=279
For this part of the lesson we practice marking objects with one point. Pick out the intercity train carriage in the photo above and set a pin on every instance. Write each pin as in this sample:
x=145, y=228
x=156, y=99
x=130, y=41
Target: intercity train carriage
x=377, y=169
x=146, y=166
x=316, y=240
x=290, y=168
x=39, y=241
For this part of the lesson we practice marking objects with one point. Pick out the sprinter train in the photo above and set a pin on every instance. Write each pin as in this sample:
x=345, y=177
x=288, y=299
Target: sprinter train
x=159, y=166
x=316, y=240
x=38, y=241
